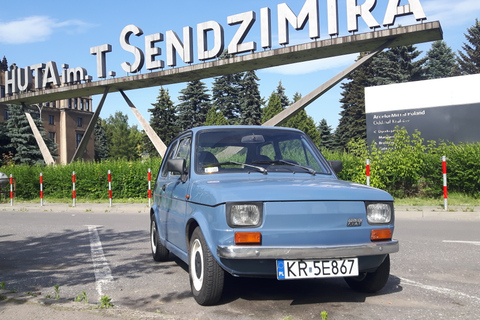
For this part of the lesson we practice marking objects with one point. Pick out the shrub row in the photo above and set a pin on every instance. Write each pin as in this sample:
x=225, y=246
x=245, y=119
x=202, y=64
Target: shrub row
x=129, y=179
x=409, y=167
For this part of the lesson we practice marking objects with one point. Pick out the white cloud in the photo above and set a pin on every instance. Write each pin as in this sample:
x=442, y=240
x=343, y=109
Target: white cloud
x=315, y=65
x=451, y=13
x=36, y=29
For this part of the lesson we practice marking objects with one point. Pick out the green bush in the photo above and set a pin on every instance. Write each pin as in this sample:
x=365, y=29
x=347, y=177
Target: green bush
x=129, y=179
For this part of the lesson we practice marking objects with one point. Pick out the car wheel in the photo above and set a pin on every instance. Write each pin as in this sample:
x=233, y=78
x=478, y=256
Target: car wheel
x=159, y=252
x=372, y=281
x=206, y=276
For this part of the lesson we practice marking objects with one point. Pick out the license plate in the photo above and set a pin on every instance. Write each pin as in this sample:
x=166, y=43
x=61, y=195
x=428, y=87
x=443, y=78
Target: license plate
x=327, y=268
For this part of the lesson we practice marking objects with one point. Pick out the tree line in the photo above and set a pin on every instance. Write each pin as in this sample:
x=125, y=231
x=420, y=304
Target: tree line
x=235, y=99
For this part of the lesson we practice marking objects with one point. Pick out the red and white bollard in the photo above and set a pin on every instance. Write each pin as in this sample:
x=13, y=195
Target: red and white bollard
x=368, y=172
x=149, y=187
x=445, y=191
x=110, y=187
x=74, y=195
x=41, y=189
x=11, y=190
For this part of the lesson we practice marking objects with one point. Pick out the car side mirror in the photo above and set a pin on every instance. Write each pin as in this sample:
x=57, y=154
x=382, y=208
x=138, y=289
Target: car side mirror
x=337, y=166
x=178, y=166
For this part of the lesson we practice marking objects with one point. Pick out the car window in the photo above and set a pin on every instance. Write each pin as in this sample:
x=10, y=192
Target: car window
x=169, y=155
x=183, y=151
x=224, y=151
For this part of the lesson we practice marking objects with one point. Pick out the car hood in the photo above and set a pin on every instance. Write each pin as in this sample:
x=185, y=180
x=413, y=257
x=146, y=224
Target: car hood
x=214, y=191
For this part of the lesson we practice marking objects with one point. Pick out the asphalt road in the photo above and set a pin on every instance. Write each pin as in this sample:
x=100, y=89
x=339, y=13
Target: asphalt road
x=105, y=251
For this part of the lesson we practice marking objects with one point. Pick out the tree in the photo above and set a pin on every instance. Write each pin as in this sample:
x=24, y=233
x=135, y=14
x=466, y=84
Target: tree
x=441, y=62
x=397, y=65
x=280, y=91
x=302, y=121
x=4, y=64
x=469, y=59
x=215, y=118
x=250, y=100
x=352, y=123
x=326, y=136
x=273, y=107
x=194, y=106
x=123, y=140
x=22, y=139
x=100, y=142
x=226, y=95
x=163, y=120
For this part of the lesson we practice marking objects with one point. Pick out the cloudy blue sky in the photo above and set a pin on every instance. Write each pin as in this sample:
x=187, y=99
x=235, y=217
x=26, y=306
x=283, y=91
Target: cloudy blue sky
x=33, y=32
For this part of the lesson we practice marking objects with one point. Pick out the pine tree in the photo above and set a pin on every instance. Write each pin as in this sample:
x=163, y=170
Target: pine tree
x=4, y=64
x=163, y=120
x=352, y=123
x=280, y=91
x=441, y=62
x=22, y=139
x=194, y=106
x=326, y=136
x=397, y=65
x=100, y=142
x=250, y=100
x=226, y=94
x=273, y=107
x=469, y=60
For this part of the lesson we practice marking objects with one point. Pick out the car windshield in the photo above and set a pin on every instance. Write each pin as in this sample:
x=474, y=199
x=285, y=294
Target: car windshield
x=256, y=150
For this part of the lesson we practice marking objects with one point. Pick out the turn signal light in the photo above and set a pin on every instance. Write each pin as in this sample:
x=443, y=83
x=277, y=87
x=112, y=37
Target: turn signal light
x=246, y=238
x=381, y=234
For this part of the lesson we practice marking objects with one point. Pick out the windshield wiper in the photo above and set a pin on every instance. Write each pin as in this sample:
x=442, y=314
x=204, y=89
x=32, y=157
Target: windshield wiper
x=262, y=170
x=309, y=170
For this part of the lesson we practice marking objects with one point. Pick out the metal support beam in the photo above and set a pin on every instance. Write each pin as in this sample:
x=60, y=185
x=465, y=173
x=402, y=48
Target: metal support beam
x=157, y=142
x=91, y=126
x=301, y=104
x=47, y=157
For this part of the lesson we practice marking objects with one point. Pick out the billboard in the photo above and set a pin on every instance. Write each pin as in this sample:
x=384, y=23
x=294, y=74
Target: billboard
x=441, y=109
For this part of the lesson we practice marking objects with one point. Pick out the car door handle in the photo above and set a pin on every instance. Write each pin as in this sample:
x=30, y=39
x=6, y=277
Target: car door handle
x=164, y=187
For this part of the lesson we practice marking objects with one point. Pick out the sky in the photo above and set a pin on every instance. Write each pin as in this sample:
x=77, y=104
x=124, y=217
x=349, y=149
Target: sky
x=33, y=32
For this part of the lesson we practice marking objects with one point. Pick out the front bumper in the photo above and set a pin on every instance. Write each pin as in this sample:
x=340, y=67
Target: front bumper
x=317, y=252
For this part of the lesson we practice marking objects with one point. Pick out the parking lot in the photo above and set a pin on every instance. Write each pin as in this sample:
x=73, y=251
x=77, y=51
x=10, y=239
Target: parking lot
x=102, y=250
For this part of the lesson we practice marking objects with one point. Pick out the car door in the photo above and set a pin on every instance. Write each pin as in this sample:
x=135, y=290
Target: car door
x=173, y=193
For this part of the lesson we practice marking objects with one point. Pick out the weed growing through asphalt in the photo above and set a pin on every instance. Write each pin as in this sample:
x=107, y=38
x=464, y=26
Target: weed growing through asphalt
x=3, y=285
x=82, y=297
x=324, y=315
x=105, y=302
x=57, y=291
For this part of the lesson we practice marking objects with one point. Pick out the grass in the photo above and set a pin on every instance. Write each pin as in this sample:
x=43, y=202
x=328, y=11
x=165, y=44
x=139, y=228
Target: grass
x=454, y=199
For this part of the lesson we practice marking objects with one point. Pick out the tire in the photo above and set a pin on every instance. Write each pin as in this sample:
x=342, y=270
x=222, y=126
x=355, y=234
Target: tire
x=373, y=281
x=159, y=252
x=206, y=276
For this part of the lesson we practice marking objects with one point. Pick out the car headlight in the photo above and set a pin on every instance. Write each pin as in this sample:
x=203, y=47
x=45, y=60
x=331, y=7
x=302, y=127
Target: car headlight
x=245, y=214
x=379, y=213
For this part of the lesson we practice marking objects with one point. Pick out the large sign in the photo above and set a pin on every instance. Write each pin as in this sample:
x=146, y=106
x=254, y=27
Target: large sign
x=210, y=41
x=441, y=109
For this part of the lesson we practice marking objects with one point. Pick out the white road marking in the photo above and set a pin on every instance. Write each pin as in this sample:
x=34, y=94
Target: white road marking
x=103, y=274
x=477, y=243
x=440, y=290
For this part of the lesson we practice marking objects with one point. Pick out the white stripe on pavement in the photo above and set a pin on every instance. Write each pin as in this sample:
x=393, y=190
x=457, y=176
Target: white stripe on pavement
x=440, y=290
x=477, y=243
x=103, y=273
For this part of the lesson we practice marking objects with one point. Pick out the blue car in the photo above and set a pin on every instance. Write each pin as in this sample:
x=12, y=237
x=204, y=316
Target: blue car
x=257, y=201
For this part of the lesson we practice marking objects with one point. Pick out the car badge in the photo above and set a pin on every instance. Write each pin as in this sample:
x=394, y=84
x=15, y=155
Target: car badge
x=354, y=222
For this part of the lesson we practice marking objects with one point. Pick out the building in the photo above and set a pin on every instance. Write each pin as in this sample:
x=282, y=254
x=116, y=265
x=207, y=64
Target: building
x=65, y=122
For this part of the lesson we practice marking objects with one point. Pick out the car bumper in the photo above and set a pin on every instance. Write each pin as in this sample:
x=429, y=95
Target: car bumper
x=317, y=252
